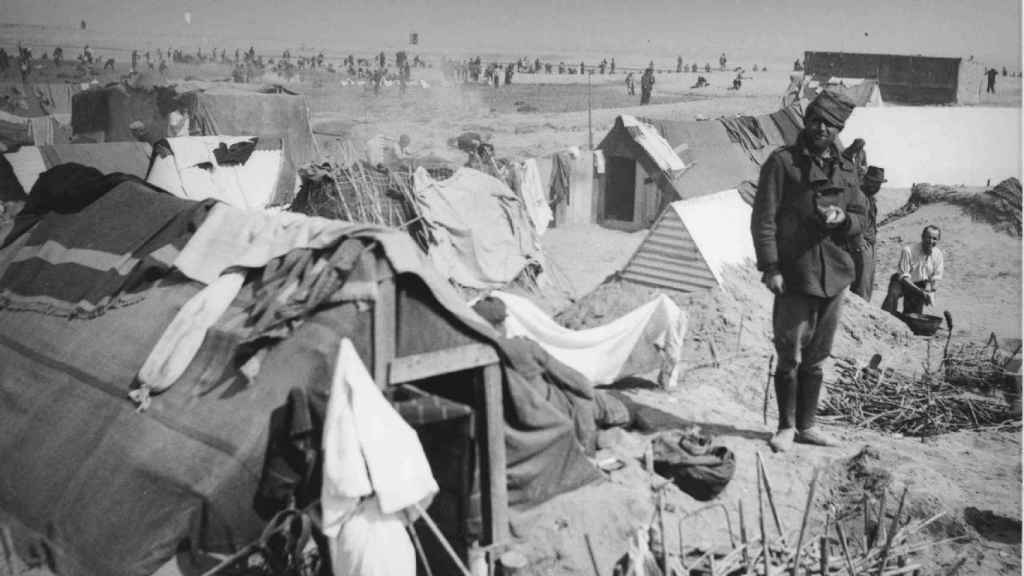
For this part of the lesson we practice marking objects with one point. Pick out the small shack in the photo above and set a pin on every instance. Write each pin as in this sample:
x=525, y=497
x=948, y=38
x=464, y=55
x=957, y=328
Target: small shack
x=902, y=79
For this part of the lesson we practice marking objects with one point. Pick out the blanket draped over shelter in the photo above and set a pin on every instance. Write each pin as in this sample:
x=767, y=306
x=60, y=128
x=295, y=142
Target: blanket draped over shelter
x=651, y=335
x=481, y=236
x=80, y=263
x=216, y=453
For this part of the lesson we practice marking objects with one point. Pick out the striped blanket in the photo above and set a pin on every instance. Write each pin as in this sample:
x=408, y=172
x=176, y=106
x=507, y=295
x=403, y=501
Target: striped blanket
x=80, y=263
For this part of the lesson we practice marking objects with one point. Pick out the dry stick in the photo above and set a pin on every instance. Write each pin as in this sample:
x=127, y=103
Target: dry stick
x=664, y=534
x=764, y=531
x=846, y=550
x=743, y=537
x=767, y=388
x=803, y=524
x=419, y=548
x=444, y=542
x=590, y=551
x=771, y=498
x=892, y=531
x=823, y=555
x=879, y=520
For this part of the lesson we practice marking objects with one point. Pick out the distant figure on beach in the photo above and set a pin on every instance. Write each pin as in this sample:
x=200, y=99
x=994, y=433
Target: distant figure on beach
x=509, y=70
x=581, y=67
x=58, y=56
x=630, y=85
x=679, y=64
x=707, y=68
x=721, y=61
x=797, y=67
x=4, y=61
x=702, y=82
x=991, y=87
x=646, y=86
x=612, y=71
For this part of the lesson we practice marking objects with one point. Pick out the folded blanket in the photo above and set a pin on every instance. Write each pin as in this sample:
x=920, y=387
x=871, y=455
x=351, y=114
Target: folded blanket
x=82, y=262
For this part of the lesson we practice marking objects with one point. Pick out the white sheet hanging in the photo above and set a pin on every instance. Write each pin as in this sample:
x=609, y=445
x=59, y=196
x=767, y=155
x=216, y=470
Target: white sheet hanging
x=369, y=451
x=603, y=354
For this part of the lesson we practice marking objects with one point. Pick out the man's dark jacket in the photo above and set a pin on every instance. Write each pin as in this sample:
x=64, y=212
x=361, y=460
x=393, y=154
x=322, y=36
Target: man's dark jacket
x=788, y=235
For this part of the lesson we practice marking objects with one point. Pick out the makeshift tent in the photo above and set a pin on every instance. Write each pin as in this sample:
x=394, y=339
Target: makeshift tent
x=940, y=145
x=126, y=157
x=692, y=242
x=479, y=232
x=902, y=79
x=637, y=190
x=107, y=114
x=112, y=490
x=192, y=167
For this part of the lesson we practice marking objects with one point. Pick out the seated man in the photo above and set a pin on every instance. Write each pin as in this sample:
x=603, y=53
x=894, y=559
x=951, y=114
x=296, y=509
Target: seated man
x=919, y=269
x=568, y=390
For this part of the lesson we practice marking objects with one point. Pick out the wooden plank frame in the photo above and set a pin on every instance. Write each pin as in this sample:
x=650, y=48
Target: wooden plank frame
x=390, y=371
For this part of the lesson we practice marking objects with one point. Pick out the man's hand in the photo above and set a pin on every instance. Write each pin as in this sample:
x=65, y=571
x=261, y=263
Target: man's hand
x=773, y=280
x=832, y=216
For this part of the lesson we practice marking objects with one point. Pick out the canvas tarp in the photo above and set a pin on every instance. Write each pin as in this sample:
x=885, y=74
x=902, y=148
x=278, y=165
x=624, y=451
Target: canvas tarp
x=188, y=168
x=940, y=145
x=115, y=491
x=720, y=227
x=646, y=339
x=481, y=236
x=130, y=158
x=714, y=162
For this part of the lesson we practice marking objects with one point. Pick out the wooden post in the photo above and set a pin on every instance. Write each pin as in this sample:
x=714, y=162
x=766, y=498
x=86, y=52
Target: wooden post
x=385, y=326
x=492, y=463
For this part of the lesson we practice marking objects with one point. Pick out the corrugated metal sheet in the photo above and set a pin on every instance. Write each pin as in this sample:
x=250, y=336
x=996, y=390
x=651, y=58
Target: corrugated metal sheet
x=668, y=258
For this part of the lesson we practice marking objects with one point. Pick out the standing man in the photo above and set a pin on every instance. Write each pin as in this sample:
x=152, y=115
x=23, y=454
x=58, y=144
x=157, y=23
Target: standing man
x=917, y=275
x=863, y=249
x=630, y=85
x=646, y=86
x=991, y=87
x=808, y=206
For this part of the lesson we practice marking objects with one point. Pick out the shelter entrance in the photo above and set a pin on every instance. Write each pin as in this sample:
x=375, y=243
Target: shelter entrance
x=620, y=189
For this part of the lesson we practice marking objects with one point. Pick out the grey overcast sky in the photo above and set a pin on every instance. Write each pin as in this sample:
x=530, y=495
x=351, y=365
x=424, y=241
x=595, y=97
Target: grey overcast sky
x=768, y=29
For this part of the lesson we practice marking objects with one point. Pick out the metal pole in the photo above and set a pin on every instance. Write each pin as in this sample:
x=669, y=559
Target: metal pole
x=590, y=129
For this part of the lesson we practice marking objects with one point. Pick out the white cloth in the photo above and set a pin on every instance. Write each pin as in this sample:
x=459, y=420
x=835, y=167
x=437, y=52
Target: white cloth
x=183, y=337
x=368, y=450
x=532, y=190
x=373, y=544
x=599, y=161
x=606, y=353
x=182, y=173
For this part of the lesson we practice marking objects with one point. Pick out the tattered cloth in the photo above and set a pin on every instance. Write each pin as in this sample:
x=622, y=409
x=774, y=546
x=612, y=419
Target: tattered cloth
x=79, y=264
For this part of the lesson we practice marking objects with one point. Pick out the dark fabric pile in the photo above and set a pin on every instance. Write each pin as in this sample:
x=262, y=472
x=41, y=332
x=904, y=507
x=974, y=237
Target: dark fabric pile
x=691, y=461
x=95, y=239
x=10, y=188
x=237, y=153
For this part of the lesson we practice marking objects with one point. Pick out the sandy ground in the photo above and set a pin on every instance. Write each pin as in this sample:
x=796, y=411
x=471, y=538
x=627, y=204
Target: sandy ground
x=974, y=477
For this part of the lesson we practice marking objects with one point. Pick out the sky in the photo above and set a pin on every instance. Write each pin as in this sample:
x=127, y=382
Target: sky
x=747, y=30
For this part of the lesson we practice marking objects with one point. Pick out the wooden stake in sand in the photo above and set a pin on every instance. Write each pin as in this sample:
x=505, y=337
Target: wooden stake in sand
x=771, y=498
x=764, y=531
x=803, y=524
x=743, y=538
x=590, y=551
x=767, y=388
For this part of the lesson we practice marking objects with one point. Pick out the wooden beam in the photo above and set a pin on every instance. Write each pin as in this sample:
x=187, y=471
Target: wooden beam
x=493, y=472
x=385, y=328
x=419, y=366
